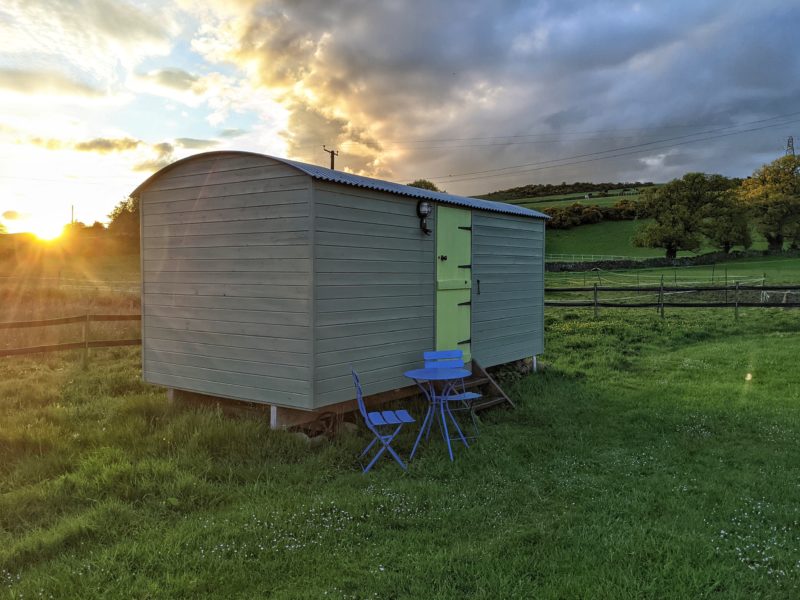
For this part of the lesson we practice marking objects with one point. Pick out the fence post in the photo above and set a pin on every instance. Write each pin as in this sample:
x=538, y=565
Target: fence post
x=86, y=341
x=596, y=308
x=736, y=309
x=661, y=298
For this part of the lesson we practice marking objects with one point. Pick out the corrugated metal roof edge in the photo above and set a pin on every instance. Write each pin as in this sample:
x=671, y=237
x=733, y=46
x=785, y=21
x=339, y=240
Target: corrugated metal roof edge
x=324, y=174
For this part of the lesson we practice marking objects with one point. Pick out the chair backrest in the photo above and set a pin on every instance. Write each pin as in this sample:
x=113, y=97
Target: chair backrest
x=359, y=395
x=444, y=359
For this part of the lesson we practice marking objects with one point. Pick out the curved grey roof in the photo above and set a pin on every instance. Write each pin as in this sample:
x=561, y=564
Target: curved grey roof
x=324, y=174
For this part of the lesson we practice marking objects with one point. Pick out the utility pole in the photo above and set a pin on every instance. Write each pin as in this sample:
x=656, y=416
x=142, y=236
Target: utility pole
x=332, y=153
x=790, y=146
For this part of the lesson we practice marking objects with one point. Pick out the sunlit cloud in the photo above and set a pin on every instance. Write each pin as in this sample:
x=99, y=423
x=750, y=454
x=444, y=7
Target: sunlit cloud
x=163, y=156
x=44, y=82
x=195, y=144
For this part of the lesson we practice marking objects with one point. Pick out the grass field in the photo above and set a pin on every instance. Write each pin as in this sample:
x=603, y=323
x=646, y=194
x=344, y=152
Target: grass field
x=652, y=459
x=559, y=200
x=773, y=269
x=614, y=238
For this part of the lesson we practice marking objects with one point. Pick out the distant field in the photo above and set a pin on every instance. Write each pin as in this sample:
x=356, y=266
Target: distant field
x=567, y=199
x=612, y=238
x=775, y=270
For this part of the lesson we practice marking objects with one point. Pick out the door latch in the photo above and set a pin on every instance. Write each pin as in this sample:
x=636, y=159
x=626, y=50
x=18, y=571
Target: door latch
x=442, y=257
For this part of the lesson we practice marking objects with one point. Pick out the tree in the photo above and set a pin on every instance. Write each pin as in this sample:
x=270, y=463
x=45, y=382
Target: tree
x=726, y=222
x=772, y=195
x=677, y=209
x=425, y=185
x=124, y=219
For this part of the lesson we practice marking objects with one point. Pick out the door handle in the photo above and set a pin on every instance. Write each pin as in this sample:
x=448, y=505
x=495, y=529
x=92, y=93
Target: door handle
x=442, y=257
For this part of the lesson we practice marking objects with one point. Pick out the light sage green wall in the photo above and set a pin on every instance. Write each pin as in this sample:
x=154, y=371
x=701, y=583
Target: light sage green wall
x=508, y=313
x=374, y=292
x=226, y=276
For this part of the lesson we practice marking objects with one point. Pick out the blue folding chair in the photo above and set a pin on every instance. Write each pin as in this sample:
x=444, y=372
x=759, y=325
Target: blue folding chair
x=458, y=396
x=378, y=419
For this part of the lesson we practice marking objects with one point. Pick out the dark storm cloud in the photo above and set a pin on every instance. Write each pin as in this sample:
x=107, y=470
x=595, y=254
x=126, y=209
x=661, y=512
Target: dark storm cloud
x=583, y=77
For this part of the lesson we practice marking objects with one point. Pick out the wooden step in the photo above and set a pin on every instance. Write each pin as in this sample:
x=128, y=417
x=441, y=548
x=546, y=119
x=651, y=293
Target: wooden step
x=483, y=403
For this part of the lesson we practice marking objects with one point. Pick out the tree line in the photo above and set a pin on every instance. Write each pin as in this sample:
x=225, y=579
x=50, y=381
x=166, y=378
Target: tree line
x=697, y=207
x=553, y=189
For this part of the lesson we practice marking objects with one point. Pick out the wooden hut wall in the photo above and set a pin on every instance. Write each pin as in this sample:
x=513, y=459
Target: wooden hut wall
x=374, y=293
x=508, y=313
x=226, y=276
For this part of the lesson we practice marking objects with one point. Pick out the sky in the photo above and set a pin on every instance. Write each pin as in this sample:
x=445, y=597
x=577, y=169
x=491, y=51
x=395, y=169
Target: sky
x=96, y=95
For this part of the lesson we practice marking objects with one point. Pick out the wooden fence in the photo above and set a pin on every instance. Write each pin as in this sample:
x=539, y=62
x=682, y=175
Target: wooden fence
x=85, y=344
x=732, y=297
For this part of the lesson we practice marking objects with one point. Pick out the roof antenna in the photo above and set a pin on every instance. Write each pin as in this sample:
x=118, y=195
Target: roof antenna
x=332, y=153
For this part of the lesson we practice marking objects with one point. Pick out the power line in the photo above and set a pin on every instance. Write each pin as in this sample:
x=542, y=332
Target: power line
x=459, y=176
x=545, y=164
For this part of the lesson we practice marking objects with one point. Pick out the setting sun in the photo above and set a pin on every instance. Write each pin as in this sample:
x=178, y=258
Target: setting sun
x=43, y=229
x=47, y=231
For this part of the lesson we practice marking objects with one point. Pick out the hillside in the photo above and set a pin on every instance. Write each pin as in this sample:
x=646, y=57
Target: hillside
x=563, y=191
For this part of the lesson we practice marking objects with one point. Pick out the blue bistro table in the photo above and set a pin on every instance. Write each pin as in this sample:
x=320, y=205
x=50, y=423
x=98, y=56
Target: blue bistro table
x=437, y=402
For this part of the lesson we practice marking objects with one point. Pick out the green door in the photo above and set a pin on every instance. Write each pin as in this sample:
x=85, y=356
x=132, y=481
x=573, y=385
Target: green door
x=453, y=278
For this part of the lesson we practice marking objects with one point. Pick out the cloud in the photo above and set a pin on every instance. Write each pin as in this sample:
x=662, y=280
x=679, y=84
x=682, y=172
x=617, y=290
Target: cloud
x=195, y=144
x=106, y=145
x=91, y=43
x=13, y=215
x=543, y=80
x=172, y=78
x=163, y=156
x=232, y=133
x=44, y=82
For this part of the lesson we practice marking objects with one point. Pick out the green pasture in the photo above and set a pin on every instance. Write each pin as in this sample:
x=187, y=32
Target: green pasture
x=650, y=459
x=614, y=238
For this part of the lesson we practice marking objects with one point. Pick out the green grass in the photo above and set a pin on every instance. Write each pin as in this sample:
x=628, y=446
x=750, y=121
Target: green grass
x=772, y=269
x=614, y=238
x=642, y=463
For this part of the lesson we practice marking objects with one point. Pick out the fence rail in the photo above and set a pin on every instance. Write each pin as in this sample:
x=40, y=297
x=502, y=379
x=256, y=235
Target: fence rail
x=732, y=297
x=85, y=344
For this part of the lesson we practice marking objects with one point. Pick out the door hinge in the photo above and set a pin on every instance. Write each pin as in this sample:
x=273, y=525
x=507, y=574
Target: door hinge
x=467, y=303
x=464, y=266
x=467, y=341
x=465, y=228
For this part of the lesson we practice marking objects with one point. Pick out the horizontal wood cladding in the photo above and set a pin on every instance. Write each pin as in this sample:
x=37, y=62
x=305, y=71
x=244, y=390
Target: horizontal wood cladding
x=233, y=388
x=168, y=203
x=231, y=228
x=374, y=302
x=230, y=290
x=229, y=315
x=275, y=360
x=228, y=252
x=285, y=191
x=265, y=265
x=227, y=276
x=235, y=303
x=507, y=314
x=244, y=240
x=280, y=377
x=249, y=213
x=214, y=177
x=242, y=340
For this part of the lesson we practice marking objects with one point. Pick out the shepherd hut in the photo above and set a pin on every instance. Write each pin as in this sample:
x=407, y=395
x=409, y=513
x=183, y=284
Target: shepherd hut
x=265, y=279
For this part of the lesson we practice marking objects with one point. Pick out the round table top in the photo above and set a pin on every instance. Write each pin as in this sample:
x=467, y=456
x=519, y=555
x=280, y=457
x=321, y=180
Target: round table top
x=437, y=374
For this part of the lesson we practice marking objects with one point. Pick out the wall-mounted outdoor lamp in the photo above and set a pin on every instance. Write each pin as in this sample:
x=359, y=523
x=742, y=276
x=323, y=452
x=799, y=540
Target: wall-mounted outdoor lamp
x=424, y=209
